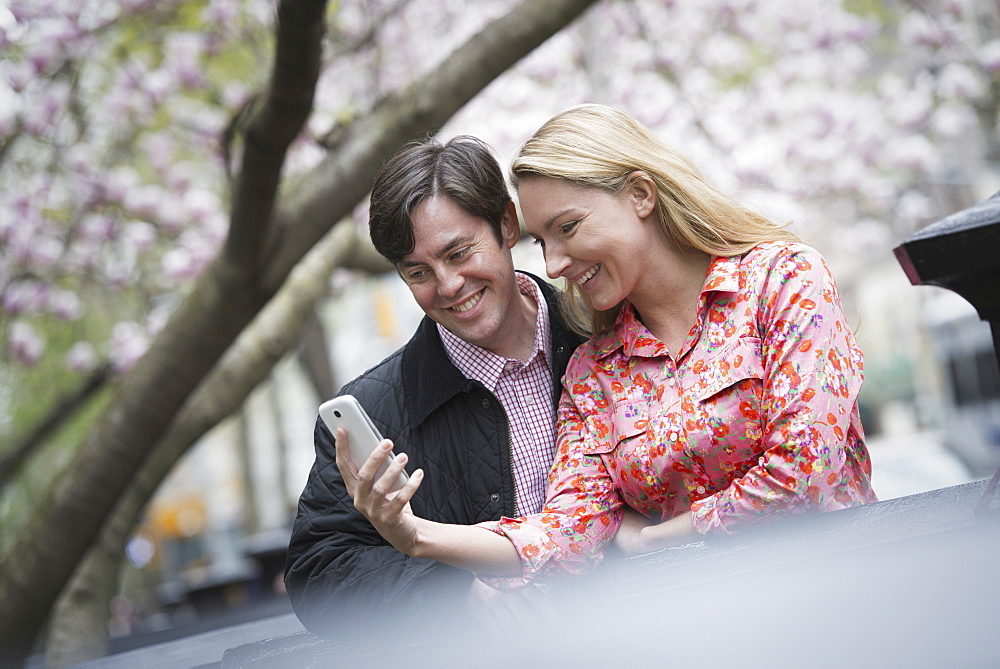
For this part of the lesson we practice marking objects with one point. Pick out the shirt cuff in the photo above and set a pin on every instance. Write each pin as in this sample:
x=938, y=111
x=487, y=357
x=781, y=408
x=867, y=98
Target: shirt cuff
x=533, y=546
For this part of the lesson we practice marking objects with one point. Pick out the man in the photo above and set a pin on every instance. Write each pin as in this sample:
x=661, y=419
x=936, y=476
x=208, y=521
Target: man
x=470, y=398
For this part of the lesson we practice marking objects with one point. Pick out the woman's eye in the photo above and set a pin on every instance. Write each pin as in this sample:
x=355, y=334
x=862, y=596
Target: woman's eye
x=568, y=227
x=538, y=241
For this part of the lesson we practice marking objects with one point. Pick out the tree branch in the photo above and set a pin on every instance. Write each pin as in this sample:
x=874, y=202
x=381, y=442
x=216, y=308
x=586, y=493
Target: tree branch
x=273, y=124
x=345, y=176
x=12, y=460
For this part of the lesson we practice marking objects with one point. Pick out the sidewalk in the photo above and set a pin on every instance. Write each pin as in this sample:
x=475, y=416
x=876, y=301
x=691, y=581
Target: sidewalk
x=913, y=463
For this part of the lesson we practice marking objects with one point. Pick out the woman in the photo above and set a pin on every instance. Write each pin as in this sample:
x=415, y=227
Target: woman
x=719, y=390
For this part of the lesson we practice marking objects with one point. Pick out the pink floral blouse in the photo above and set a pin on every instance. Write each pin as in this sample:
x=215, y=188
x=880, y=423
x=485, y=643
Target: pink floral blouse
x=756, y=416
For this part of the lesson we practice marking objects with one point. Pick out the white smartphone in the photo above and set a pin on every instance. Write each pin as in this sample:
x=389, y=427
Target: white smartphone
x=362, y=435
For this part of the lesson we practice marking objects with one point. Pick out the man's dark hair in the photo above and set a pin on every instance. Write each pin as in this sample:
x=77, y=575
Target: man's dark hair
x=464, y=169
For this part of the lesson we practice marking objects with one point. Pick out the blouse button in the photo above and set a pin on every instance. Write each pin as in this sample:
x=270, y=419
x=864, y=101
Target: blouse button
x=701, y=489
x=495, y=497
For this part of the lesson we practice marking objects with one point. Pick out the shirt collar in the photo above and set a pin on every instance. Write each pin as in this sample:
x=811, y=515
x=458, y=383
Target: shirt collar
x=485, y=366
x=723, y=275
x=629, y=334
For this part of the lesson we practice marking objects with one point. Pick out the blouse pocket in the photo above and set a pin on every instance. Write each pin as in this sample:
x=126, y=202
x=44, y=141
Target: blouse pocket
x=624, y=421
x=742, y=361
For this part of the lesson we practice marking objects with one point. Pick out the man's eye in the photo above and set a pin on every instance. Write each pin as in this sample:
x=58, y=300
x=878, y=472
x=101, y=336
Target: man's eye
x=415, y=275
x=461, y=253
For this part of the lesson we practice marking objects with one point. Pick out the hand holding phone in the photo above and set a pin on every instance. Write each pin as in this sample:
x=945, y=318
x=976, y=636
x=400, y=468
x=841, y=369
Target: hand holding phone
x=362, y=435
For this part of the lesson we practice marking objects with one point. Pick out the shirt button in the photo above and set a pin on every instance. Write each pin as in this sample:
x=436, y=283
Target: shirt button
x=529, y=400
x=495, y=497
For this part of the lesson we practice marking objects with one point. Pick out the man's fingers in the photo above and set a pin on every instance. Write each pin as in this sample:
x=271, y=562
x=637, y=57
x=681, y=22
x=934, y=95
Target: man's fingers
x=403, y=495
x=387, y=481
x=540, y=605
x=344, y=460
x=367, y=472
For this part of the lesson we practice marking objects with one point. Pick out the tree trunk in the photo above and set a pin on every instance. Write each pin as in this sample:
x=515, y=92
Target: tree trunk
x=263, y=246
x=244, y=455
x=79, y=625
x=315, y=359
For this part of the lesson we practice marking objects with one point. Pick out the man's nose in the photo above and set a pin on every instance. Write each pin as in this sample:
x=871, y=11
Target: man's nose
x=450, y=282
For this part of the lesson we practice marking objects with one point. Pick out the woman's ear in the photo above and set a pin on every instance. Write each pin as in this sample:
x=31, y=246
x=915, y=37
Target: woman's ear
x=642, y=192
x=510, y=228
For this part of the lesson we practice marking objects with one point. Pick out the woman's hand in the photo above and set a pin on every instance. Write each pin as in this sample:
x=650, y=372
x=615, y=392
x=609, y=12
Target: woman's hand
x=388, y=512
x=628, y=539
x=638, y=534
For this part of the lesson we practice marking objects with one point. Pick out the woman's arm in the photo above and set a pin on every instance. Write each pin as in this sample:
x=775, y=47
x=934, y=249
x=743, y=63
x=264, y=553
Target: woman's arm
x=467, y=547
x=814, y=457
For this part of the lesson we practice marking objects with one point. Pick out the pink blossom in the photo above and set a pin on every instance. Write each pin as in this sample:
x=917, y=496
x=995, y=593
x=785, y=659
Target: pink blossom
x=65, y=305
x=953, y=121
x=81, y=357
x=25, y=297
x=98, y=228
x=128, y=343
x=43, y=55
x=18, y=75
x=119, y=182
x=44, y=253
x=49, y=109
x=989, y=56
x=913, y=153
x=160, y=85
x=182, y=56
x=200, y=204
x=160, y=150
x=24, y=344
x=235, y=94
x=144, y=201
x=178, y=264
x=139, y=235
x=958, y=82
x=225, y=13
x=8, y=121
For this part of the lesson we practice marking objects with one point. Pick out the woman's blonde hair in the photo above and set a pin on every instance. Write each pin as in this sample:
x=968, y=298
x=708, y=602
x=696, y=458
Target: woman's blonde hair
x=595, y=146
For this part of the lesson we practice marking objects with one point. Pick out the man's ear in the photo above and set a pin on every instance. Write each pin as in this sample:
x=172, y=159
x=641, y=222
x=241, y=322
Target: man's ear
x=642, y=192
x=510, y=229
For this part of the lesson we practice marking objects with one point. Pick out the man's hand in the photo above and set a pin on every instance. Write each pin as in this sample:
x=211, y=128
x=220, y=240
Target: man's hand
x=526, y=610
x=388, y=512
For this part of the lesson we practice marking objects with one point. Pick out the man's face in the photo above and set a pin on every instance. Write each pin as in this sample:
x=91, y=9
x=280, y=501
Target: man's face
x=460, y=274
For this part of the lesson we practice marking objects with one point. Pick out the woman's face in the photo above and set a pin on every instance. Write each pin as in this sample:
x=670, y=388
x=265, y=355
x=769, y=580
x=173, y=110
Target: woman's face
x=597, y=239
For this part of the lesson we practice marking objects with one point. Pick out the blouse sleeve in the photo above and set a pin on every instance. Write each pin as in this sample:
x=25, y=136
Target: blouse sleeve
x=583, y=508
x=814, y=453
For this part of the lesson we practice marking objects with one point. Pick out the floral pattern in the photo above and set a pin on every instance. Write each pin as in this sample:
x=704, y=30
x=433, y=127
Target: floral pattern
x=755, y=417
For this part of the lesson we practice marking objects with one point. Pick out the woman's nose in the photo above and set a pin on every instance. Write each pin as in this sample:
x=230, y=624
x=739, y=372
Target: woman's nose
x=555, y=263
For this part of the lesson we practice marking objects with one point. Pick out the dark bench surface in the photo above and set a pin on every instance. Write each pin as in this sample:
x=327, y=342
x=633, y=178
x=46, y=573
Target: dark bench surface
x=912, y=581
